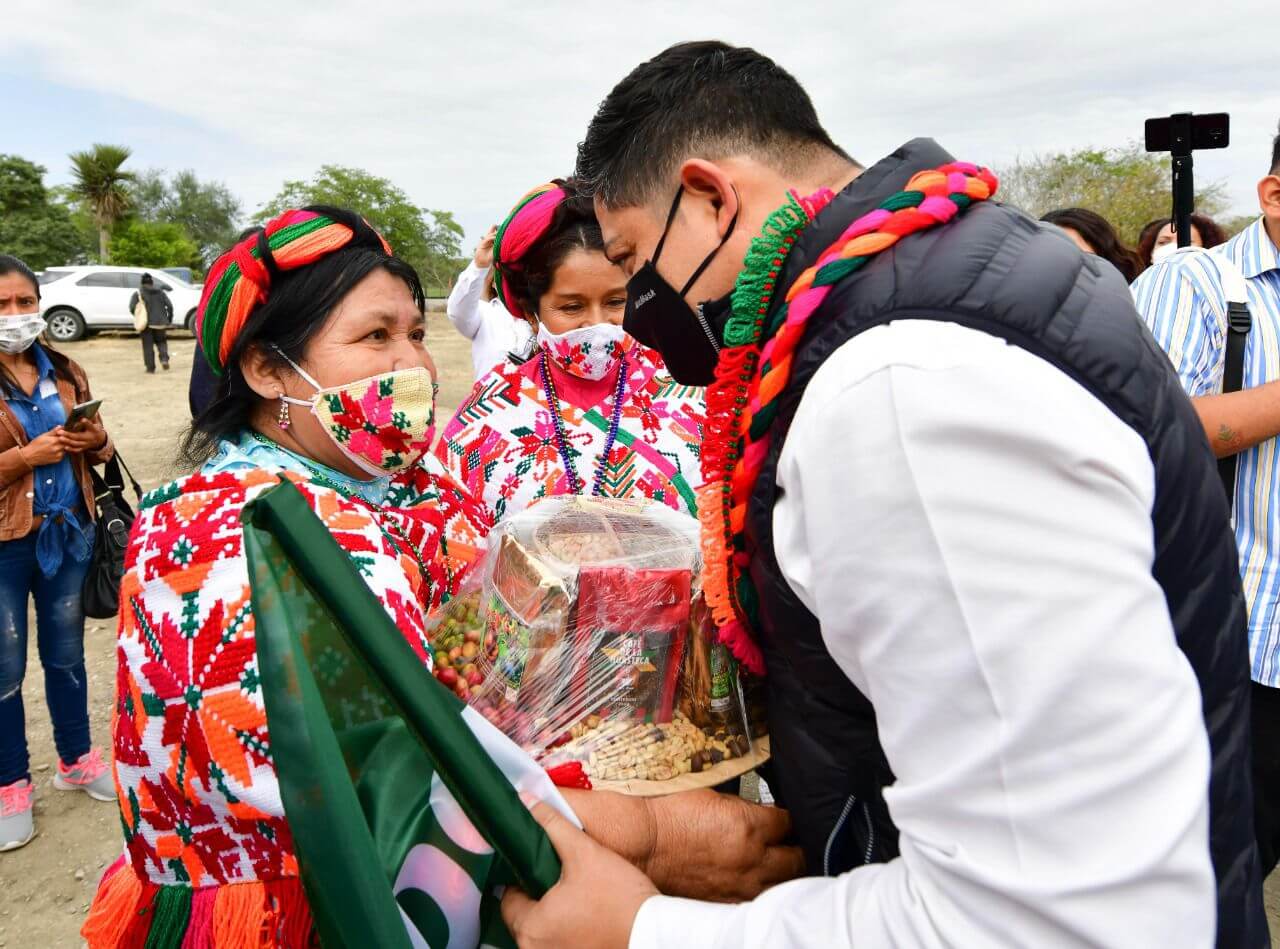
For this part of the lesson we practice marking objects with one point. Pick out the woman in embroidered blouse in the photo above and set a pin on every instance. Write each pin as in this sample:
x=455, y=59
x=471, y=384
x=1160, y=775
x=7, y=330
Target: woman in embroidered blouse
x=46, y=511
x=592, y=412
x=315, y=331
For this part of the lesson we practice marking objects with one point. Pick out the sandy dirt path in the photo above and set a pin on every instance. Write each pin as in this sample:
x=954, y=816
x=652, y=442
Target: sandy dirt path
x=46, y=887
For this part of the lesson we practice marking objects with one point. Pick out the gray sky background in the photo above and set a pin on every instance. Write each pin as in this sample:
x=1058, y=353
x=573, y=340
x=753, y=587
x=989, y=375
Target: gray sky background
x=467, y=106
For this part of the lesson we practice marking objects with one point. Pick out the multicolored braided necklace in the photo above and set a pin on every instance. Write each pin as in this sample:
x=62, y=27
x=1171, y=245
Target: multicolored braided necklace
x=576, y=484
x=756, y=363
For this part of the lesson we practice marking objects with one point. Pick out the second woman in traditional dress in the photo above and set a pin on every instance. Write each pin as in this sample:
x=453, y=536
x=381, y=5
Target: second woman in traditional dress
x=592, y=412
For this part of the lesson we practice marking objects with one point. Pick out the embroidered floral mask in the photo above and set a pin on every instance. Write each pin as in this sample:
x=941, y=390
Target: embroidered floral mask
x=384, y=423
x=591, y=352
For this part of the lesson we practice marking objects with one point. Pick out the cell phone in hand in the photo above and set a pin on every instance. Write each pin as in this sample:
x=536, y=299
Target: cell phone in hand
x=84, y=412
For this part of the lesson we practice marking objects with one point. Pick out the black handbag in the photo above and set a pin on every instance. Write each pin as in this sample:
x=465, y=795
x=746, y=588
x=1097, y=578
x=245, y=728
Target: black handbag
x=100, y=595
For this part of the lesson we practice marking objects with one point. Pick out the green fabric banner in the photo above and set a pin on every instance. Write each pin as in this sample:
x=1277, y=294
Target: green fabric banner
x=402, y=804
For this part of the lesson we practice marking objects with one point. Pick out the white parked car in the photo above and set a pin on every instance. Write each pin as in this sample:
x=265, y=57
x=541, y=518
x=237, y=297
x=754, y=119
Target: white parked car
x=80, y=300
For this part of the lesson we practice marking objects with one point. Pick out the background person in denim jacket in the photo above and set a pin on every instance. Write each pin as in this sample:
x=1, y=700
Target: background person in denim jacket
x=46, y=537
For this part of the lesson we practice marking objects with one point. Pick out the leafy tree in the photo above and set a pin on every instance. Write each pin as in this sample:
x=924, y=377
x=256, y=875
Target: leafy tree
x=206, y=210
x=98, y=180
x=33, y=227
x=147, y=194
x=429, y=240
x=138, y=243
x=81, y=218
x=444, y=243
x=21, y=185
x=1128, y=186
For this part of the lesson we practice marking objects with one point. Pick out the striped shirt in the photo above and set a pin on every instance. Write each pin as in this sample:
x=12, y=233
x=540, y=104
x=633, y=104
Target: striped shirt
x=1184, y=305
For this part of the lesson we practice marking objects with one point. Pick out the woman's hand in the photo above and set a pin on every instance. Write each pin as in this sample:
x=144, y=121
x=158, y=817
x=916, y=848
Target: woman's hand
x=90, y=436
x=697, y=844
x=46, y=449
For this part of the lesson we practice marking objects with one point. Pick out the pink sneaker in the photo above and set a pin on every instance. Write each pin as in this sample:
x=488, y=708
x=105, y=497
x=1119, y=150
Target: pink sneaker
x=16, y=824
x=90, y=774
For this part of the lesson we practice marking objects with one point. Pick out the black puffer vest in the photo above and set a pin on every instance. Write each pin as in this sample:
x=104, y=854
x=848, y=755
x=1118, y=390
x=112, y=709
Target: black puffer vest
x=996, y=270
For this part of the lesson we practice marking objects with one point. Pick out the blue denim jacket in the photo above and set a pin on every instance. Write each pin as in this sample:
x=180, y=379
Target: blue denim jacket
x=58, y=496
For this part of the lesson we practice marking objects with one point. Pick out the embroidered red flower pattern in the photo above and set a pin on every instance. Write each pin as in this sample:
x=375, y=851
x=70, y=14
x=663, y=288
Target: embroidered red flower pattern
x=501, y=443
x=199, y=800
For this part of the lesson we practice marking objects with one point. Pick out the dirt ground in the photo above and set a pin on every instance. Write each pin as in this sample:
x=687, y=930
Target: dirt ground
x=46, y=887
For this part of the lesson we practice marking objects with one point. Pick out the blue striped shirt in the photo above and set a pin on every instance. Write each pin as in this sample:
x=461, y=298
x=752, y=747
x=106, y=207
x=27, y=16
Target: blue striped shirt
x=1184, y=305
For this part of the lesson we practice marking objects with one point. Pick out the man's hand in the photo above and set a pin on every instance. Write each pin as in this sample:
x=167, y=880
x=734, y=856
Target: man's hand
x=47, y=449
x=697, y=844
x=484, y=252
x=592, y=907
x=712, y=846
x=90, y=436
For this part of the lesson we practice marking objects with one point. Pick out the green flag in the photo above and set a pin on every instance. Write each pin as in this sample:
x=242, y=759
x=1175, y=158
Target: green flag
x=404, y=805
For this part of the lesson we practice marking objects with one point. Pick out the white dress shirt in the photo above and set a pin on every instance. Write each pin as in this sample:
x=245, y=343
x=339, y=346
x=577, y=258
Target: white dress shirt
x=973, y=531
x=493, y=331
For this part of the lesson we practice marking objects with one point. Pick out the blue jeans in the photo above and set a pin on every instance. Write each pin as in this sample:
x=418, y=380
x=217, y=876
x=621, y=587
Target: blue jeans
x=60, y=637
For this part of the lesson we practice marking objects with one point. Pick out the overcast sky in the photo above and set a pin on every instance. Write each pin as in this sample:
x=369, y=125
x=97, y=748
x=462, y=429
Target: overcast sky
x=467, y=105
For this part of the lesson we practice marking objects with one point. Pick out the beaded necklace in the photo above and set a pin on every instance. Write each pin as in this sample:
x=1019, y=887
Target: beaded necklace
x=755, y=367
x=562, y=442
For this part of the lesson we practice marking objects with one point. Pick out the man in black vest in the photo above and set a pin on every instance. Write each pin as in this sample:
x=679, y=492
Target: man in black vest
x=980, y=545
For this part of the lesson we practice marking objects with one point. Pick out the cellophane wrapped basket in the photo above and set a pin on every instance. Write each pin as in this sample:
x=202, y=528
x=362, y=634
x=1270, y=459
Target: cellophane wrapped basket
x=588, y=643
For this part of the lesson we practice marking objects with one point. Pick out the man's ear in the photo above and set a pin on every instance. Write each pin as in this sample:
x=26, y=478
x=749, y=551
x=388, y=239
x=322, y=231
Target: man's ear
x=1269, y=196
x=262, y=373
x=708, y=184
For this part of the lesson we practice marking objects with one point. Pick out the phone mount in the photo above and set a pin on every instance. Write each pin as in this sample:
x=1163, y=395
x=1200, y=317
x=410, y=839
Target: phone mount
x=1181, y=134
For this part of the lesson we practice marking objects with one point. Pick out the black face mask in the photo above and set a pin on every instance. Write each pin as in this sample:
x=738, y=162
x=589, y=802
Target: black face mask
x=658, y=316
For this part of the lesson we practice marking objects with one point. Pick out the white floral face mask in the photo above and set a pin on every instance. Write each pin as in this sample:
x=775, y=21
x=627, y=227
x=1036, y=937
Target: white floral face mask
x=17, y=333
x=384, y=423
x=590, y=352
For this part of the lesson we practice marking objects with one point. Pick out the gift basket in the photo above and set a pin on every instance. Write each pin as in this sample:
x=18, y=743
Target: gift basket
x=588, y=643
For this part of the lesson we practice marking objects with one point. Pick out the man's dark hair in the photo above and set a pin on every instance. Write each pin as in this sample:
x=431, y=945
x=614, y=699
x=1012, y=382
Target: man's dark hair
x=147, y=280
x=1275, y=154
x=696, y=100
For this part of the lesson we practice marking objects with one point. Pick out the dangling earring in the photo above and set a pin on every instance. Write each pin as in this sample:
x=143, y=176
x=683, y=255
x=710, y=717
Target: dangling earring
x=282, y=418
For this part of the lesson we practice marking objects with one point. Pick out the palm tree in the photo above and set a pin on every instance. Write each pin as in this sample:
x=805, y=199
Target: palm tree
x=99, y=182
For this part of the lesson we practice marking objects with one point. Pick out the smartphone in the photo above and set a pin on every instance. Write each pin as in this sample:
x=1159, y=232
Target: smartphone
x=1185, y=132
x=82, y=413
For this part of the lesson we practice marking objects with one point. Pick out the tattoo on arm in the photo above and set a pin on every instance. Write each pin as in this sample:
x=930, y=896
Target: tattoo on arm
x=1229, y=437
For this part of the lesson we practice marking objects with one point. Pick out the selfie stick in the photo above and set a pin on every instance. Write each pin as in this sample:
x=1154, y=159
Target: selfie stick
x=1184, y=189
x=1179, y=135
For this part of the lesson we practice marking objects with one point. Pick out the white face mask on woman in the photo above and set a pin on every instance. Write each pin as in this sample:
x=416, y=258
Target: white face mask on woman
x=17, y=333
